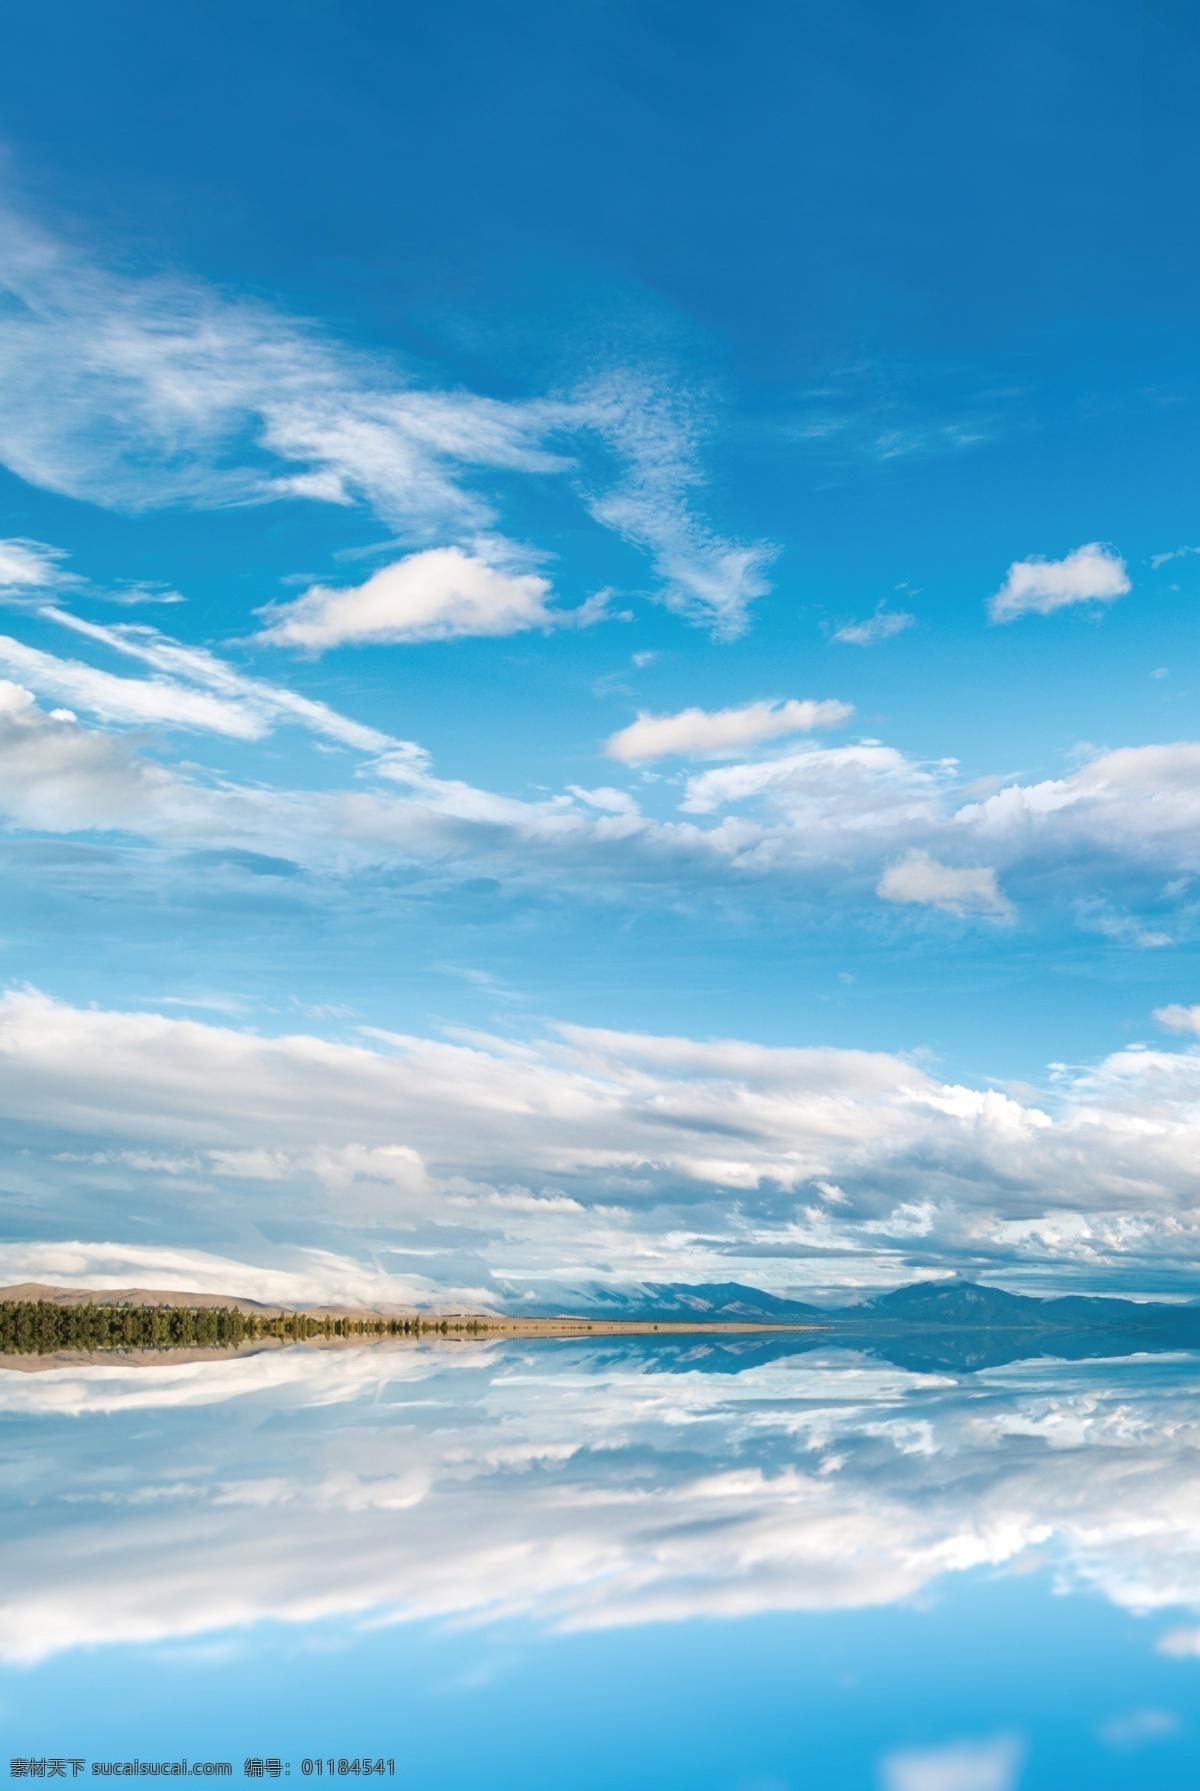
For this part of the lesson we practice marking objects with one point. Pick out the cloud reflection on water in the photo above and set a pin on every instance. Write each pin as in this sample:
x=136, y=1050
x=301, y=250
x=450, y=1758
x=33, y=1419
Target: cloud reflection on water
x=583, y=1485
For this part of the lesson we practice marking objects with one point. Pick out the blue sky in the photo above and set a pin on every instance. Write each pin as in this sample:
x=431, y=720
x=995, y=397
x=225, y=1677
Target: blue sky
x=599, y=645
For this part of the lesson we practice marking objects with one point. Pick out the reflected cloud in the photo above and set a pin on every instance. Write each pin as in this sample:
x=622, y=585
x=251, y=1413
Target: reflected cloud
x=581, y=1485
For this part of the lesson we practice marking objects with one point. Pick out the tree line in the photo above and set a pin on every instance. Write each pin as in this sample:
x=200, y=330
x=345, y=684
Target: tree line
x=37, y=1327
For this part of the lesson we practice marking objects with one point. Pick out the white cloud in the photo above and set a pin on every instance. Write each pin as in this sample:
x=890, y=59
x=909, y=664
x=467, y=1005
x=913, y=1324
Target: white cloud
x=316, y=1276
x=263, y=705
x=134, y=392
x=1140, y=801
x=708, y=579
x=696, y=731
x=991, y=1765
x=1177, y=1018
x=672, y=1157
x=814, y=819
x=140, y=701
x=882, y=626
x=959, y=889
x=30, y=565
x=1090, y=574
x=1095, y=916
x=606, y=798
x=856, y=793
x=439, y=594
x=56, y=776
x=137, y=393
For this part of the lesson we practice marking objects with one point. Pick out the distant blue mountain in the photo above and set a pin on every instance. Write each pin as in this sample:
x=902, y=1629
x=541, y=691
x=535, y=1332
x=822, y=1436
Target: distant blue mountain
x=958, y=1303
x=964, y=1305
x=951, y=1305
x=727, y=1300
x=716, y=1302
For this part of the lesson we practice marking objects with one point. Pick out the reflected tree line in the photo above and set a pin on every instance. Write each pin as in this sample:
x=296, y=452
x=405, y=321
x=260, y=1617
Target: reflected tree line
x=38, y=1327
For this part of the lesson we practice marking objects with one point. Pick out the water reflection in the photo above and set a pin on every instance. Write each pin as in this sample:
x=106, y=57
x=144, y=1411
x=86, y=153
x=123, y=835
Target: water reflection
x=581, y=1484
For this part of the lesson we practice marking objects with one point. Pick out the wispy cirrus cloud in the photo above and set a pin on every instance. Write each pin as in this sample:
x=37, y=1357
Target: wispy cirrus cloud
x=884, y=625
x=139, y=392
x=259, y=705
x=31, y=566
x=863, y=789
x=872, y=413
x=657, y=433
x=132, y=701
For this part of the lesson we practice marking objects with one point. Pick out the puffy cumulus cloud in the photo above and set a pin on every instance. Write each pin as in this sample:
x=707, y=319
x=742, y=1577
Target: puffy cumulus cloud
x=990, y=1765
x=1139, y=801
x=438, y=595
x=1178, y=1018
x=698, y=731
x=671, y=1156
x=1091, y=574
x=860, y=793
x=59, y=777
x=959, y=889
x=602, y=1490
x=135, y=393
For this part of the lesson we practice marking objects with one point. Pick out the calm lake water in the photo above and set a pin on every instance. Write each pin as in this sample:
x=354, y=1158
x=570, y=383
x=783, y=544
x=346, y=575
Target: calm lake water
x=640, y=1563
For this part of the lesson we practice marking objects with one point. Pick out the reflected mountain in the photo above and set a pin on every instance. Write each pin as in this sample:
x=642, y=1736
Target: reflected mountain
x=963, y=1327
x=944, y=1350
x=958, y=1326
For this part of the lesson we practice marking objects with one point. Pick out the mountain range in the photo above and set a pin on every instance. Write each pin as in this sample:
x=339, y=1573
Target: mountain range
x=957, y=1305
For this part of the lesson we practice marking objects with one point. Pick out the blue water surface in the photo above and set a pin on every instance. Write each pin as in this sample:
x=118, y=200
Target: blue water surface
x=597, y=1564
